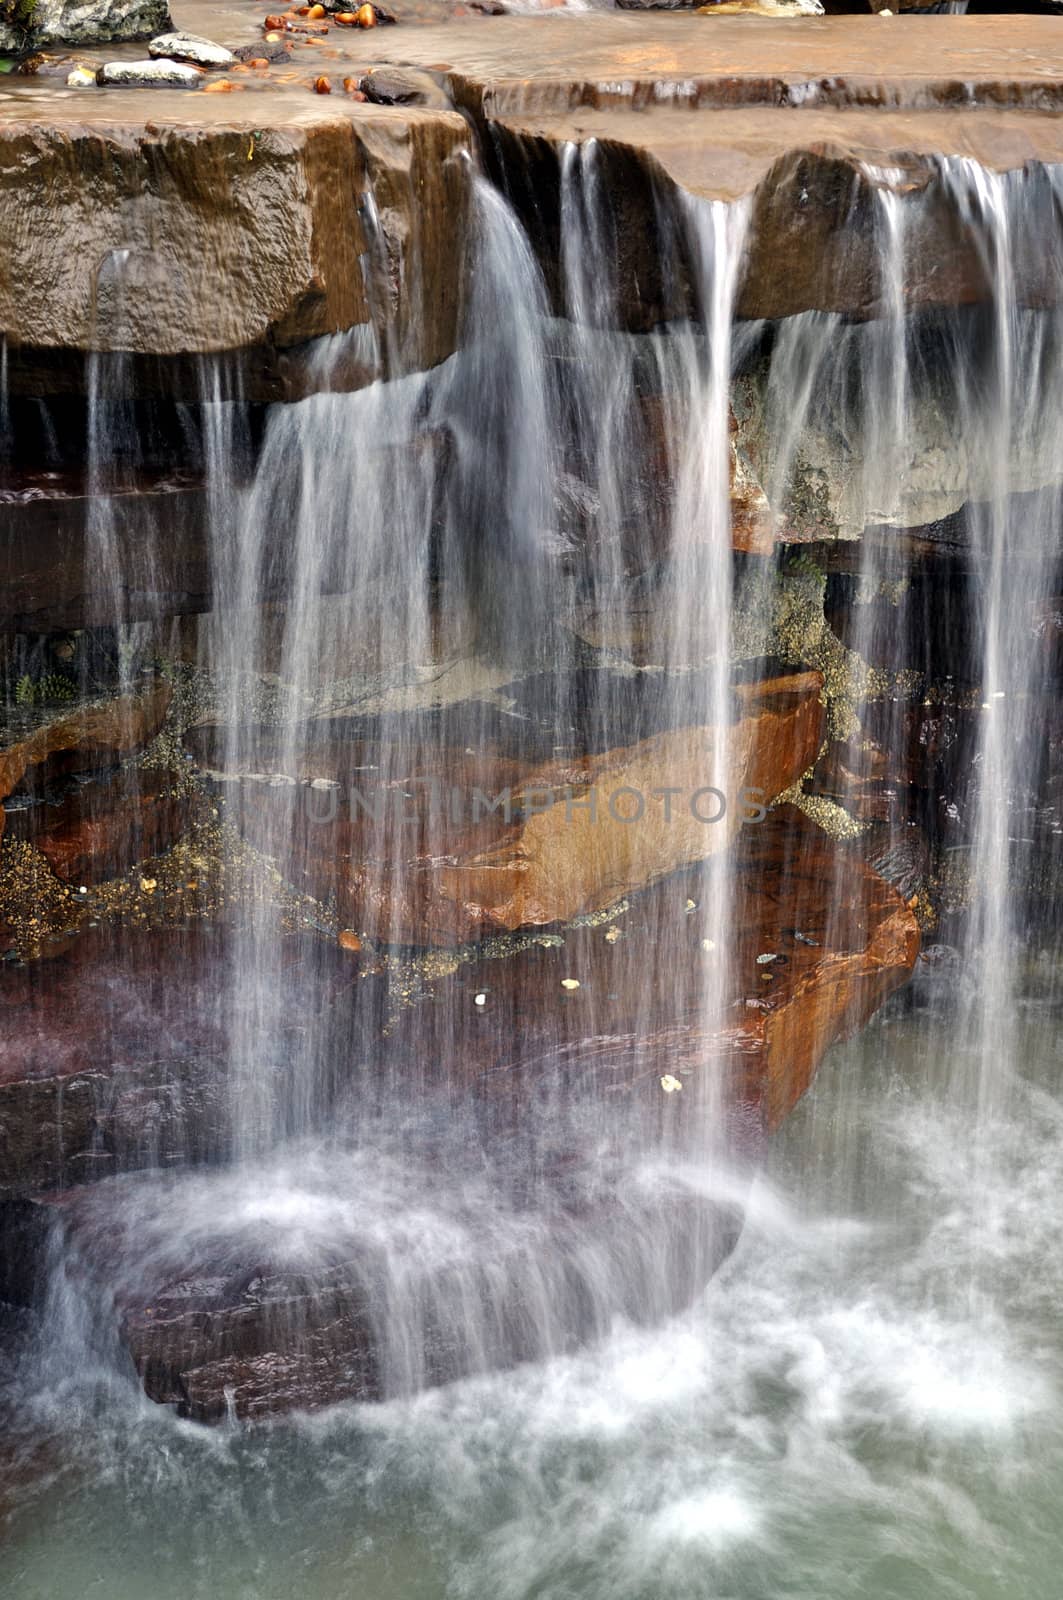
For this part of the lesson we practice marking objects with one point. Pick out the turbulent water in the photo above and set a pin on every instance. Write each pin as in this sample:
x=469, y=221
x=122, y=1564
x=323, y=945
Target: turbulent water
x=866, y=1400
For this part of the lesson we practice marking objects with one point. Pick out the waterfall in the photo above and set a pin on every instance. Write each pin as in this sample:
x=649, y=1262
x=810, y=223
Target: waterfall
x=497, y=1068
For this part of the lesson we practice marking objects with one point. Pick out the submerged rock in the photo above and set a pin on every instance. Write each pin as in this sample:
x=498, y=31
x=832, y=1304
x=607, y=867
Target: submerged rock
x=191, y=47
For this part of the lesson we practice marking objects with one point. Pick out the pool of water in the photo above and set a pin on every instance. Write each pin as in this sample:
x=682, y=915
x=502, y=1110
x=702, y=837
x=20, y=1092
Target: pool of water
x=867, y=1402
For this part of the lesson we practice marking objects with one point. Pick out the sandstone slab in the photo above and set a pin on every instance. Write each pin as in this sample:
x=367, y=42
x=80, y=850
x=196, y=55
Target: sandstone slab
x=503, y=841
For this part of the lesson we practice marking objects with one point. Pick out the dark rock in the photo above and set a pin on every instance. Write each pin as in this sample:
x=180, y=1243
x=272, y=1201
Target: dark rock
x=101, y=828
x=404, y=86
x=116, y=1050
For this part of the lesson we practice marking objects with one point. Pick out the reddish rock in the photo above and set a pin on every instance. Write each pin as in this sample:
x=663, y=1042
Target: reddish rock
x=115, y=1050
x=583, y=829
x=100, y=829
x=562, y=1094
x=82, y=741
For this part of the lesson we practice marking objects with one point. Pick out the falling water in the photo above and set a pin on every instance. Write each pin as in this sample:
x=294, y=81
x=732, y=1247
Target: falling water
x=820, y=1410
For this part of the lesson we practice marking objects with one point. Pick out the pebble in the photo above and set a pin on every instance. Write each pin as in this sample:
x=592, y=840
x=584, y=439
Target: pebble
x=669, y=1084
x=480, y=1000
x=612, y=935
x=81, y=78
x=322, y=86
x=570, y=983
x=708, y=944
x=763, y=960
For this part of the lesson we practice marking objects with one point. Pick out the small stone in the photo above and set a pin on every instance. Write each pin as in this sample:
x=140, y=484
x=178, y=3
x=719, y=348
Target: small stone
x=81, y=78
x=191, y=47
x=365, y=17
x=708, y=944
x=220, y=86
x=322, y=86
x=765, y=959
x=349, y=940
x=612, y=935
x=274, y=25
x=313, y=12
x=670, y=1085
x=691, y=905
x=150, y=75
x=480, y=1000
x=149, y=885
x=570, y=983
x=350, y=86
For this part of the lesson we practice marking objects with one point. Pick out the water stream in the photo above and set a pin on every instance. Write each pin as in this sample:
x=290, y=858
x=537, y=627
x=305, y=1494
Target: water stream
x=865, y=1398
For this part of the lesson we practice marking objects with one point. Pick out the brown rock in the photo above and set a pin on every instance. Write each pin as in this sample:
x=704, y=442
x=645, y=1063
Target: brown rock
x=582, y=830
x=102, y=828
x=116, y=1052
x=285, y=264
x=84, y=740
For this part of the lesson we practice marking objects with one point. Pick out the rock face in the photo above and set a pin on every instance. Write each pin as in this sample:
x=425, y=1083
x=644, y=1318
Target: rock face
x=247, y=238
x=223, y=1312
x=91, y=737
x=101, y=828
x=82, y=22
x=116, y=1051
x=503, y=843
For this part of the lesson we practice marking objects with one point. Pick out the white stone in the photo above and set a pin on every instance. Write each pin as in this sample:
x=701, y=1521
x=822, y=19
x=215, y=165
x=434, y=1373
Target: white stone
x=150, y=74
x=191, y=47
x=81, y=78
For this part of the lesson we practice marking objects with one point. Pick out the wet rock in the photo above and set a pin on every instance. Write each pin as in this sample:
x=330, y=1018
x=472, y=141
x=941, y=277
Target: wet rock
x=99, y=829
x=527, y=1248
x=47, y=581
x=84, y=740
x=404, y=86
x=85, y=22
x=150, y=74
x=840, y=940
x=116, y=1051
x=285, y=259
x=191, y=47
x=268, y=50
x=501, y=841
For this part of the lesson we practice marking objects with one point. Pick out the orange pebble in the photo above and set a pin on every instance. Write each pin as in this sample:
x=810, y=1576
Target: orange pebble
x=349, y=940
x=274, y=38
x=313, y=12
x=274, y=24
x=351, y=87
x=322, y=86
x=218, y=86
x=365, y=17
